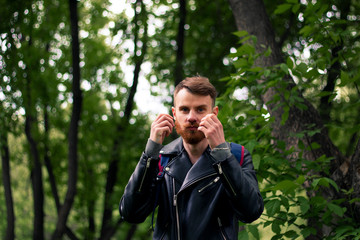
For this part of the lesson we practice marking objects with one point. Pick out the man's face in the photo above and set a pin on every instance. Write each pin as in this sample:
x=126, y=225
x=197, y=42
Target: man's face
x=188, y=111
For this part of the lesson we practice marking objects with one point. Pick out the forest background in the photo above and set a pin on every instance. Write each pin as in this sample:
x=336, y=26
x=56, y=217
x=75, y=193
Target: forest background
x=72, y=126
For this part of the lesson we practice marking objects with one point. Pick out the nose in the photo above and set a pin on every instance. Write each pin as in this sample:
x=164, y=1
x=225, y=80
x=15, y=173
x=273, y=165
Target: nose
x=192, y=117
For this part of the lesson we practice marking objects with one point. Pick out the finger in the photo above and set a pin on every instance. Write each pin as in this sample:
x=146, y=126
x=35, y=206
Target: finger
x=165, y=117
x=163, y=120
x=208, y=123
x=164, y=123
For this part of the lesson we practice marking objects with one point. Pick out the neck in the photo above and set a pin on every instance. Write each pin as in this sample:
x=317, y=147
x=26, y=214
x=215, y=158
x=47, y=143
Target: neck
x=195, y=150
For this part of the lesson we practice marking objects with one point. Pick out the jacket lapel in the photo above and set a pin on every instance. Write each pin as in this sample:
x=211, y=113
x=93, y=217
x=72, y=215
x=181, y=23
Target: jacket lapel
x=201, y=169
x=181, y=168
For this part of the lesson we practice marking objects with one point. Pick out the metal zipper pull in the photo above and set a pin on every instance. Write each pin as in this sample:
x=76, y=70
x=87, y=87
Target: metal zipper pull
x=226, y=179
x=209, y=184
x=148, y=162
x=220, y=168
x=175, y=200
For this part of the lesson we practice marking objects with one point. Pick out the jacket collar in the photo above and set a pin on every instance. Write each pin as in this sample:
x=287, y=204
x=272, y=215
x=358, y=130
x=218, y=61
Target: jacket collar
x=173, y=148
x=201, y=169
x=181, y=168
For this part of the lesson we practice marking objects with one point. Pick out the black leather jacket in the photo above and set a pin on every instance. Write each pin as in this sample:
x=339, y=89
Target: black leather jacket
x=200, y=201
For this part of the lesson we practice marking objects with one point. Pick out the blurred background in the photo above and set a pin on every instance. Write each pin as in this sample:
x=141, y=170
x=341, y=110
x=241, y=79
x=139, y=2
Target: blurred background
x=81, y=81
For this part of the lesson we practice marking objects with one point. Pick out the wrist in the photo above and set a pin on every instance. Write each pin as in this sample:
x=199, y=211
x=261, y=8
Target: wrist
x=153, y=148
x=221, y=152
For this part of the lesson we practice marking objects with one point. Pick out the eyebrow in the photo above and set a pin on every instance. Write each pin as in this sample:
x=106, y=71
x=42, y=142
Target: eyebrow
x=200, y=106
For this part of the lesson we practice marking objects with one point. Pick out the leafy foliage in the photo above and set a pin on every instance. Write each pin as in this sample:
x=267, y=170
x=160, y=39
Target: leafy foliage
x=320, y=43
x=289, y=189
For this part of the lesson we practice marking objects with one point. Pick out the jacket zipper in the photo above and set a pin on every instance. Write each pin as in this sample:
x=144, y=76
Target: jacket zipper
x=176, y=212
x=226, y=178
x=148, y=161
x=209, y=184
x=176, y=205
x=221, y=229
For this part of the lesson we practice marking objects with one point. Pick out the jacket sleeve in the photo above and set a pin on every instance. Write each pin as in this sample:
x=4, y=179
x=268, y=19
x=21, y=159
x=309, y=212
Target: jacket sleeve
x=138, y=199
x=241, y=186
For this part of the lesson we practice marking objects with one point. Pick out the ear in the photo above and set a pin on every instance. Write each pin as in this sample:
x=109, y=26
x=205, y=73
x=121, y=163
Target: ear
x=173, y=112
x=215, y=110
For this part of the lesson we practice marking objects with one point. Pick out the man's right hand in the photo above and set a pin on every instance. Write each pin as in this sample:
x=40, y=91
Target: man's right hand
x=161, y=128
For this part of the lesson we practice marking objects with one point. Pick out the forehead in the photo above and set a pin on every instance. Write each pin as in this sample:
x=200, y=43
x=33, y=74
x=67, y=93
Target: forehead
x=186, y=98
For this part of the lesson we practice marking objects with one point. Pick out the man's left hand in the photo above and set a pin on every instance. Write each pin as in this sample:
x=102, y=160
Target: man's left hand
x=212, y=128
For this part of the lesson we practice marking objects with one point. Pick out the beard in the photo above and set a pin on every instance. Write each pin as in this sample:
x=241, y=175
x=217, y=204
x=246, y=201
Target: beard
x=189, y=136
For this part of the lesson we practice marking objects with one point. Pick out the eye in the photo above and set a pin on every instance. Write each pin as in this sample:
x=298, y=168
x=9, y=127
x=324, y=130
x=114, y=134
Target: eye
x=201, y=109
x=184, y=109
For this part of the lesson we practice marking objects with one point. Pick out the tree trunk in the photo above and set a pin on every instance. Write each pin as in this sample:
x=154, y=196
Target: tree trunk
x=36, y=179
x=35, y=164
x=180, y=41
x=107, y=228
x=131, y=231
x=74, y=125
x=34, y=156
x=49, y=169
x=251, y=17
x=5, y=161
x=354, y=172
x=47, y=161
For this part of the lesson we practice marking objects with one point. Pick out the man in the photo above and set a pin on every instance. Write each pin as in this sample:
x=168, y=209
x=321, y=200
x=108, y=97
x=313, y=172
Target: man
x=204, y=190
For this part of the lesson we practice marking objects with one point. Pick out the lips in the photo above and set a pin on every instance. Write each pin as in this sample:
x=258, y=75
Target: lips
x=192, y=127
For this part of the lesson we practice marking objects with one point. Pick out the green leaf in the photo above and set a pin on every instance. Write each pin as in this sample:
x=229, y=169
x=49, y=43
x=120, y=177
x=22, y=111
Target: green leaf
x=291, y=234
x=286, y=186
x=306, y=30
x=285, y=115
x=241, y=63
x=275, y=227
x=337, y=209
x=251, y=145
x=256, y=161
x=354, y=200
x=295, y=8
x=254, y=112
x=315, y=145
x=243, y=235
x=300, y=180
x=241, y=33
x=302, y=68
x=304, y=205
x=284, y=68
x=307, y=231
x=273, y=207
x=282, y=8
x=289, y=63
x=254, y=231
x=326, y=182
x=267, y=52
x=345, y=79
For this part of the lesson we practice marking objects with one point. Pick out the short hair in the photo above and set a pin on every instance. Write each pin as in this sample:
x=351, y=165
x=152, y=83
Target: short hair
x=197, y=85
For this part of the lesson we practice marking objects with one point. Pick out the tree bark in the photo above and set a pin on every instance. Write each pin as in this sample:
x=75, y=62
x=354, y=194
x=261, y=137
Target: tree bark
x=5, y=161
x=36, y=179
x=50, y=171
x=47, y=162
x=34, y=156
x=131, y=232
x=354, y=172
x=35, y=164
x=74, y=125
x=180, y=41
x=251, y=17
